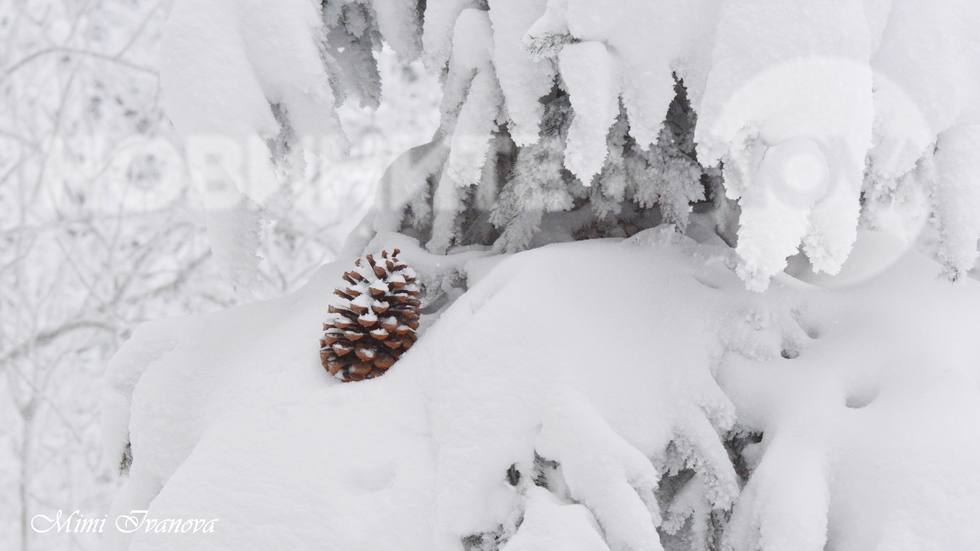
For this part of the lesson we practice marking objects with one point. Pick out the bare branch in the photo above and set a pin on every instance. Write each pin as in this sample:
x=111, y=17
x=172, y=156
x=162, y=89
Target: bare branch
x=73, y=51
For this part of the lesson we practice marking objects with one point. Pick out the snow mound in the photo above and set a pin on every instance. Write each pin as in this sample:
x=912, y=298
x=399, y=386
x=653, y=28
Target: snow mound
x=614, y=394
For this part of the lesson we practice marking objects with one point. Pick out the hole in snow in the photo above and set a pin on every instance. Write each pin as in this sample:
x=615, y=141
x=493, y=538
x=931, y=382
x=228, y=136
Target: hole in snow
x=707, y=283
x=513, y=475
x=859, y=400
x=792, y=346
x=479, y=542
x=672, y=483
x=548, y=475
x=808, y=328
x=431, y=304
x=735, y=444
x=127, y=459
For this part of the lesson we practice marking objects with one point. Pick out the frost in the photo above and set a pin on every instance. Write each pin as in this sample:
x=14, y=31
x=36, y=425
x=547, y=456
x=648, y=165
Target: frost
x=352, y=37
x=643, y=54
x=536, y=185
x=549, y=33
x=399, y=22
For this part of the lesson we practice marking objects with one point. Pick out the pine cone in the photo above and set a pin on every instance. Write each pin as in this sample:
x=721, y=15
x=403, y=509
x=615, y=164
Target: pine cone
x=376, y=323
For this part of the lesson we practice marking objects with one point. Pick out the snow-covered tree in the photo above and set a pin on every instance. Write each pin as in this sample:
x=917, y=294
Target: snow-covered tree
x=590, y=118
x=609, y=395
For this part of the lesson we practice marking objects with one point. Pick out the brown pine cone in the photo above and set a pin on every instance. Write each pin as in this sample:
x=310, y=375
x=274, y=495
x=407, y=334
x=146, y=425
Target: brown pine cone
x=376, y=320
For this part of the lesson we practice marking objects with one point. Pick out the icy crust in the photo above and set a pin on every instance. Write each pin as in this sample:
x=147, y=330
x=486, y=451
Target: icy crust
x=577, y=396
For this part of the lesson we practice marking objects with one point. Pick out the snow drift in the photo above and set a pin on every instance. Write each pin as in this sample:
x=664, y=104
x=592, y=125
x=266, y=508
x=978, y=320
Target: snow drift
x=611, y=394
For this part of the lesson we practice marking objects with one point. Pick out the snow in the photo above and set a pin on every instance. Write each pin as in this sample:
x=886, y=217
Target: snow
x=872, y=83
x=405, y=180
x=957, y=193
x=523, y=80
x=806, y=77
x=604, y=472
x=551, y=525
x=470, y=108
x=399, y=23
x=369, y=318
x=364, y=301
x=233, y=234
x=935, y=69
x=263, y=78
x=646, y=40
x=647, y=37
x=627, y=362
x=772, y=56
x=589, y=74
x=817, y=382
x=549, y=33
x=437, y=34
x=758, y=74
x=382, y=287
x=229, y=90
x=472, y=68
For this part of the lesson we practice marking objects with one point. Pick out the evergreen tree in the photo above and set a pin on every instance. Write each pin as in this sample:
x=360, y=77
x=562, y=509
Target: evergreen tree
x=594, y=117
